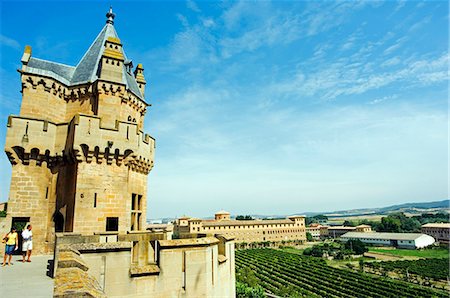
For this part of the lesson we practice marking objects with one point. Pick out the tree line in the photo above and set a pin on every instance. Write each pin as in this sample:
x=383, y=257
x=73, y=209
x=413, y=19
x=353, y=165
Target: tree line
x=400, y=223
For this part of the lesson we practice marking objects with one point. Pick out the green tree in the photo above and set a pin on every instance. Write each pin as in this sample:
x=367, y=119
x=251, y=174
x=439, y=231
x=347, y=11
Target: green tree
x=316, y=251
x=309, y=237
x=307, y=251
x=390, y=224
x=244, y=291
x=357, y=246
x=288, y=291
x=349, y=223
x=247, y=276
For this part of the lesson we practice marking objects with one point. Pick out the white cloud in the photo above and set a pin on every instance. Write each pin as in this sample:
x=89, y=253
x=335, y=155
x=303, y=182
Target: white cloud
x=9, y=42
x=208, y=22
x=275, y=31
x=391, y=62
x=382, y=99
x=298, y=156
x=347, y=78
x=398, y=43
x=192, y=6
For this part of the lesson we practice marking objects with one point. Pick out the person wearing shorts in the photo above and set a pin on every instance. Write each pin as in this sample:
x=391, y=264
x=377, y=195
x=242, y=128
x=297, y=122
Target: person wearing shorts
x=12, y=244
x=27, y=244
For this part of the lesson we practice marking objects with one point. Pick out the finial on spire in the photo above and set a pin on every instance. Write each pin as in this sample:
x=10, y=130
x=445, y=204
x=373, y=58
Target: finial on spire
x=110, y=16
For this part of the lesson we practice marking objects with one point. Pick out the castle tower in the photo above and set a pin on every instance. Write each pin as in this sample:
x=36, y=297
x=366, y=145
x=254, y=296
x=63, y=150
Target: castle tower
x=79, y=157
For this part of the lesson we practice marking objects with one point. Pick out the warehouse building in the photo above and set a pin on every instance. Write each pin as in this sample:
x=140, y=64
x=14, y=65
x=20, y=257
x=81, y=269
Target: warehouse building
x=400, y=240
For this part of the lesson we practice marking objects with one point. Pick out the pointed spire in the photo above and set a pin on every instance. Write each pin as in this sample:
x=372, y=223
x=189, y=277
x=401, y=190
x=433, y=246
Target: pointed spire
x=110, y=16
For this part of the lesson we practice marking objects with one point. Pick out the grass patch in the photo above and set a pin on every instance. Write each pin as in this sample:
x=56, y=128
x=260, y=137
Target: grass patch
x=293, y=250
x=422, y=253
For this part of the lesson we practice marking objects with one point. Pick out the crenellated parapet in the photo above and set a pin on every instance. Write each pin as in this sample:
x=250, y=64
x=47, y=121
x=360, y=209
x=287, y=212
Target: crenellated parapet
x=124, y=143
x=84, y=139
x=111, y=88
x=135, y=102
x=35, y=139
x=55, y=87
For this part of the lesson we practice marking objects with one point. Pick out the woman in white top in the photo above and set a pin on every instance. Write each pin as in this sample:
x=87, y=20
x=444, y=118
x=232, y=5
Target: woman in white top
x=27, y=244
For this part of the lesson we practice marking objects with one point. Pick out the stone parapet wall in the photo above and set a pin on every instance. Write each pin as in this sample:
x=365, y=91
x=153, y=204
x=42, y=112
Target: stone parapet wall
x=122, y=143
x=144, y=265
x=46, y=137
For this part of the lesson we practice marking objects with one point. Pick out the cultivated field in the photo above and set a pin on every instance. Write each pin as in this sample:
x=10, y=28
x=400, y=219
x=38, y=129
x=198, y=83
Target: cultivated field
x=305, y=276
x=422, y=253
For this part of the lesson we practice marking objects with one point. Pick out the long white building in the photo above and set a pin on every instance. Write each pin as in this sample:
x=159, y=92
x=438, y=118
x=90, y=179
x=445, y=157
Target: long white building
x=400, y=240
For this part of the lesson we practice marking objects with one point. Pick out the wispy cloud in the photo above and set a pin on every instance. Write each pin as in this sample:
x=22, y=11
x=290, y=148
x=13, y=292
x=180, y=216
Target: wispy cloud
x=192, y=6
x=382, y=99
x=9, y=42
x=398, y=43
x=349, y=78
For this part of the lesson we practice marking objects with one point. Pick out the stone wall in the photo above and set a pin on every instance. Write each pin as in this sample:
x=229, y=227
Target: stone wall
x=145, y=265
x=4, y=228
x=29, y=199
x=101, y=192
x=36, y=94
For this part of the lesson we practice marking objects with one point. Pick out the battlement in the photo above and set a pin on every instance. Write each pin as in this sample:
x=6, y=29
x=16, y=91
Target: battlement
x=124, y=142
x=31, y=138
x=82, y=139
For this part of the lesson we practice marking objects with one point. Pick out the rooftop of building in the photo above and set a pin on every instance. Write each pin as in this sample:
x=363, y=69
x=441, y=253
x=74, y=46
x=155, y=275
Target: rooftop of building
x=222, y=212
x=442, y=225
x=384, y=236
x=247, y=222
x=341, y=228
x=168, y=227
x=86, y=71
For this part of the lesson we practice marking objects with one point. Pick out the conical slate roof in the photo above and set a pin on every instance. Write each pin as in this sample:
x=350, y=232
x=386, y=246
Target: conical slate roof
x=87, y=69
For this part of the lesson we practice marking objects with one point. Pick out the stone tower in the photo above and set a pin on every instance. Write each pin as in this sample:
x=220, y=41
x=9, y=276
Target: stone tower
x=79, y=156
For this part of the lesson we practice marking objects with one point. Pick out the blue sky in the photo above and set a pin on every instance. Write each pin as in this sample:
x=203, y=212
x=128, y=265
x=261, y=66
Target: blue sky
x=266, y=107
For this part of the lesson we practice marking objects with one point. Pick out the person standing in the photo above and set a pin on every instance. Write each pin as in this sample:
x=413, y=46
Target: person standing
x=12, y=244
x=27, y=244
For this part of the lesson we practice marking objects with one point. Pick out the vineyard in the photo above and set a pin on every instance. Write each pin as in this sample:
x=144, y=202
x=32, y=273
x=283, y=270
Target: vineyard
x=305, y=276
x=436, y=269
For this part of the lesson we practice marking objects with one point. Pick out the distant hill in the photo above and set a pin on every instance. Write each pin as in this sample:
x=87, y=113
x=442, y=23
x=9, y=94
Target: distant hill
x=406, y=207
x=426, y=205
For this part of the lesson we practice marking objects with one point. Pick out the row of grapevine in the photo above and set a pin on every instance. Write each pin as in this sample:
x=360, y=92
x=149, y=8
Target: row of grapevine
x=312, y=277
x=437, y=269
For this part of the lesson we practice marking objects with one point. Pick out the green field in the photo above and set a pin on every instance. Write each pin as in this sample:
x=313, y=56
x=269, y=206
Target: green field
x=293, y=275
x=424, y=253
x=435, y=268
x=293, y=250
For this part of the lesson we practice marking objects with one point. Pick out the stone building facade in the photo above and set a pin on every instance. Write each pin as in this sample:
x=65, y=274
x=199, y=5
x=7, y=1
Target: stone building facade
x=248, y=231
x=439, y=231
x=338, y=231
x=80, y=161
x=79, y=156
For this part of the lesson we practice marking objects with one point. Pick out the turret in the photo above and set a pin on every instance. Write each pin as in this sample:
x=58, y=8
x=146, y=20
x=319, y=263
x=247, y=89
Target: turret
x=112, y=60
x=26, y=57
x=140, y=79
